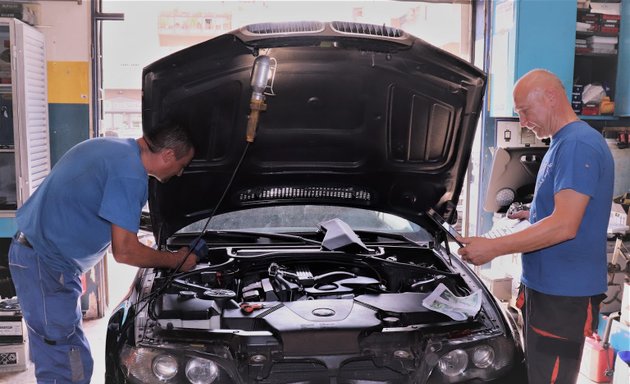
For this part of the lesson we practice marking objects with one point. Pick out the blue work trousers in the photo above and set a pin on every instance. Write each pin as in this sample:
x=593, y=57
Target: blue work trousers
x=50, y=304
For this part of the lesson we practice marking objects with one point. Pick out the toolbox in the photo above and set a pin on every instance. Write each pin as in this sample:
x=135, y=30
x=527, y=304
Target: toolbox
x=11, y=322
x=13, y=339
x=13, y=357
x=11, y=329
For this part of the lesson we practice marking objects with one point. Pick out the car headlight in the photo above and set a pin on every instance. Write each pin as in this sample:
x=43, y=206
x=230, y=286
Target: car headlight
x=453, y=363
x=164, y=367
x=483, y=356
x=479, y=359
x=145, y=365
x=202, y=371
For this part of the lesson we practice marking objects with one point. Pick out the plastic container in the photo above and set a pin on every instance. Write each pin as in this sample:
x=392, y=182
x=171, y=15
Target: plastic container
x=598, y=357
x=597, y=361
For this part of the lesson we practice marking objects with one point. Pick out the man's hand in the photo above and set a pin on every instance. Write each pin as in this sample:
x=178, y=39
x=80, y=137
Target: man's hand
x=191, y=260
x=520, y=215
x=199, y=247
x=128, y=250
x=518, y=211
x=477, y=250
x=560, y=226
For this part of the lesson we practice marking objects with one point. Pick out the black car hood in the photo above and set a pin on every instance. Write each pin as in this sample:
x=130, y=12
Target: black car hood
x=356, y=115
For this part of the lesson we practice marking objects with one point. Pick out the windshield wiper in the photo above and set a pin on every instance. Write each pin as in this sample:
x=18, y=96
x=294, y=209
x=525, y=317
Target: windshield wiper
x=269, y=235
x=408, y=238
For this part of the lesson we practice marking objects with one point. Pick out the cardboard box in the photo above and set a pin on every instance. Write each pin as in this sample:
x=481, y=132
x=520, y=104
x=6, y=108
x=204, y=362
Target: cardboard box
x=499, y=284
x=619, y=218
x=13, y=357
x=607, y=18
x=607, y=29
x=590, y=109
x=27, y=12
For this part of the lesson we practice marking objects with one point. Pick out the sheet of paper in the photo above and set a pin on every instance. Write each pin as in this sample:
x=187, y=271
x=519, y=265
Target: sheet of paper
x=456, y=307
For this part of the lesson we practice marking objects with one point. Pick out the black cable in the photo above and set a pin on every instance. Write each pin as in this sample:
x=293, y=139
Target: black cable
x=203, y=230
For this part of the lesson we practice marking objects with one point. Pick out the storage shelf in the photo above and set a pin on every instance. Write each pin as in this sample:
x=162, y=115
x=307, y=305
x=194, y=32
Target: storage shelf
x=593, y=54
x=595, y=33
x=598, y=117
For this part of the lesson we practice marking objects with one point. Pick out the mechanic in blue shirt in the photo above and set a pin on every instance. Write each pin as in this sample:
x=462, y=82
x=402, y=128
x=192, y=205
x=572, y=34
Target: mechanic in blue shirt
x=564, y=250
x=93, y=197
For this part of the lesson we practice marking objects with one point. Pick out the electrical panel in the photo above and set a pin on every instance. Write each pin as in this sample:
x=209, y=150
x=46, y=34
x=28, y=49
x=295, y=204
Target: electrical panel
x=510, y=134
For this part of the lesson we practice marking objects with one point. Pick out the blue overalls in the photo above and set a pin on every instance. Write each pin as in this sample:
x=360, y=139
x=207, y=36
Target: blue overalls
x=67, y=233
x=50, y=304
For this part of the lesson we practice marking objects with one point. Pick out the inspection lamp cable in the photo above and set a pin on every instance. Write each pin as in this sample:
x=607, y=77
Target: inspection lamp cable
x=259, y=78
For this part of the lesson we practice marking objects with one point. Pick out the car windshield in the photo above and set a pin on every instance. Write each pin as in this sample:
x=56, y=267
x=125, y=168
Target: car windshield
x=303, y=218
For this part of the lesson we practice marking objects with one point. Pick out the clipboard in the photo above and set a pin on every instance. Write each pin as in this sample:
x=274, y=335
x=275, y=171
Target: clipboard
x=439, y=220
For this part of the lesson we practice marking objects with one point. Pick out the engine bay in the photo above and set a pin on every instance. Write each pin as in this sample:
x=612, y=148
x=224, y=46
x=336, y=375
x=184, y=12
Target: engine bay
x=261, y=308
x=288, y=289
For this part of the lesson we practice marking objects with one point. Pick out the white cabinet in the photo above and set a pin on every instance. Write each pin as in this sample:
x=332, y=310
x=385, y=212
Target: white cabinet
x=24, y=136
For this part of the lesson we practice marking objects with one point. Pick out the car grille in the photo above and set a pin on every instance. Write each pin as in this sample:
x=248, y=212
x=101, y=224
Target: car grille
x=311, y=373
x=273, y=28
x=314, y=27
x=366, y=29
x=296, y=193
x=366, y=371
x=316, y=373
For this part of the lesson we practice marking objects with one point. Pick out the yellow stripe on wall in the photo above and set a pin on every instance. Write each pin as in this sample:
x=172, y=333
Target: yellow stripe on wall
x=68, y=82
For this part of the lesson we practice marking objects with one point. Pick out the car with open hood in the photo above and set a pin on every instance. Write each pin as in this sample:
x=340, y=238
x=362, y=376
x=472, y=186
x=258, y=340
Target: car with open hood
x=330, y=158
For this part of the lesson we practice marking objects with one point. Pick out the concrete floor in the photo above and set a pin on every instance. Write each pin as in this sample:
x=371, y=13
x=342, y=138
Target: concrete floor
x=120, y=278
x=95, y=331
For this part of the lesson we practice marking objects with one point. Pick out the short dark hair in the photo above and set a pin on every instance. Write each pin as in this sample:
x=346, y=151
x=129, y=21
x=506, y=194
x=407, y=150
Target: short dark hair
x=170, y=135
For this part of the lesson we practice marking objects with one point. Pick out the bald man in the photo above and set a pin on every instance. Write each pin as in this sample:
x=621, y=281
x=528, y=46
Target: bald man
x=564, y=250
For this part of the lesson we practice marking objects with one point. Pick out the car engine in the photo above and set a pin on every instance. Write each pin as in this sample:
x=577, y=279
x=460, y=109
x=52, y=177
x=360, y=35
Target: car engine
x=285, y=289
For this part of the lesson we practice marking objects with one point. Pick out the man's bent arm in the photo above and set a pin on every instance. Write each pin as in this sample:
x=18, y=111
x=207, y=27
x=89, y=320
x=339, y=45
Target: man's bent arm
x=127, y=249
x=561, y=225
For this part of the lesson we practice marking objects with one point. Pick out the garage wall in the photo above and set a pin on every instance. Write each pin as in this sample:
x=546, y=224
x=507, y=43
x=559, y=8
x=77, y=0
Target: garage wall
x=67, y=30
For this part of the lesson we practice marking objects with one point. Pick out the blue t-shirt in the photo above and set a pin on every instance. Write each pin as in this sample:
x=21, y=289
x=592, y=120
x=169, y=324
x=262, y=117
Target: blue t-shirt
x=96, y=183
x=578, y=159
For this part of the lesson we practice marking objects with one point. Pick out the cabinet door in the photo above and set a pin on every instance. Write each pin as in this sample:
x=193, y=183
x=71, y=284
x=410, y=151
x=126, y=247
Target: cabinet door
x=31, y=117
x=622, y=89
x=529, y=34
